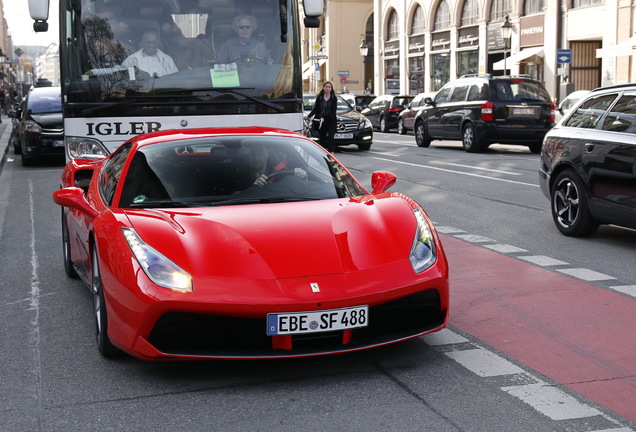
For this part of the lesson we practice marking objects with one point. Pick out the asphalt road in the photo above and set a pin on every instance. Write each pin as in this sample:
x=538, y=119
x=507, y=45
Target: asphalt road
x=494, y=369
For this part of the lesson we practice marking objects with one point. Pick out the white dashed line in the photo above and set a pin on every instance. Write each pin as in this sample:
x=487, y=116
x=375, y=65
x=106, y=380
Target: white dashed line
x=542, y=260
x=444, y=337
x=630, y=290
x=484, y=363
x=448, y=230
x=585, y=274
x=551, y=401
x=505, y=248
x=472, y=238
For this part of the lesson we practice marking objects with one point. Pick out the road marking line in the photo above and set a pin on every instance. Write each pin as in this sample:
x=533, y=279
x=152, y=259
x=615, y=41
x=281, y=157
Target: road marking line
x=551, y=401
x=630, y=290
x=477, y=168
x=472, y=238
x=455, y=171
x=585, y=274
x=542, y=260
x=505, y=248
x=444, y=337
x=484, y=363
x=448, y=230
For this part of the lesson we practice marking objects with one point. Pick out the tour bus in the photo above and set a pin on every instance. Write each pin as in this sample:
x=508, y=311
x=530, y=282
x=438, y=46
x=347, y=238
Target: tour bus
x=134, y=66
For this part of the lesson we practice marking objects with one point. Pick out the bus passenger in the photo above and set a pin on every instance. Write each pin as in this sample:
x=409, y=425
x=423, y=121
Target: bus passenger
x=244, y=49
x=150, y=58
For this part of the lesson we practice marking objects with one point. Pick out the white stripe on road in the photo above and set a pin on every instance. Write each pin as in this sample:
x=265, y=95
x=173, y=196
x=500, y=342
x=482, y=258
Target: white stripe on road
x=630, y=290
x=551, y=401
x=585, y=274
x=505, y=248
x=455, y=171
x=484, y=363
x=542, y=260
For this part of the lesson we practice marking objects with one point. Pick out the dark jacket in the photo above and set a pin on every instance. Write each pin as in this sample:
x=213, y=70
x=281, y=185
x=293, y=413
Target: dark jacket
x=328, y=112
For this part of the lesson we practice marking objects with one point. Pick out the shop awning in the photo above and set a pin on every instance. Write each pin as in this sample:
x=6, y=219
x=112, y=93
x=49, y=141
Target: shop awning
x=517, y=57
x=310, y=67
x=624, y=48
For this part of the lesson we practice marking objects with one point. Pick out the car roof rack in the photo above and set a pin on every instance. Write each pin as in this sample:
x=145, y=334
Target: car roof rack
x=475, y=75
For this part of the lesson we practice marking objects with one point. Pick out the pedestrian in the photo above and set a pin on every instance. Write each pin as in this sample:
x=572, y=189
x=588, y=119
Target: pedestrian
x=324, y=112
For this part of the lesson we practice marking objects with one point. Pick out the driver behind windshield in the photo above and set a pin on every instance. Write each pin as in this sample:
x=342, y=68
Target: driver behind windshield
x=263, y=167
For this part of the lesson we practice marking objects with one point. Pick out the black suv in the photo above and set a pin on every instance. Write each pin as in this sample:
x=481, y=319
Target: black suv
x=481, y=110
x=588, y=162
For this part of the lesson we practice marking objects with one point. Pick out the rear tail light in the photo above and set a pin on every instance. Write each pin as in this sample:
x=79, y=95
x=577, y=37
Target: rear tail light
x=552, y=112
x=487, y=112
x=395, y=109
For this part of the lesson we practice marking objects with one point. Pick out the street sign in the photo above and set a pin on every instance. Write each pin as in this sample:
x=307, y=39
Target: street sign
x=564, y=56
x=317, y=66
x=343, y=73
x=318, y=57
x=343, y=79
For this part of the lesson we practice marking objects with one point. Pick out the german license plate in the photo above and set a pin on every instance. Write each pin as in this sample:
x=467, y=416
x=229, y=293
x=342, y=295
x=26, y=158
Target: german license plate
x=523, y=112
x=57, y=143
x=343, y=136
x=317, y=321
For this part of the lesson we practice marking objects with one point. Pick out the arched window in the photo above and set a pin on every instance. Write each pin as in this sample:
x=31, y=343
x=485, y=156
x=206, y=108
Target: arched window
x=417, y=26
x=533, y=7
x=499, y=9
x=442, y=17
x=394, y=28
x=470, y=13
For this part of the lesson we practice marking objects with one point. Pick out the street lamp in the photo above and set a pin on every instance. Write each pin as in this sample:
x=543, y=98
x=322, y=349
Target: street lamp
x=364, y=49
x=506, y=32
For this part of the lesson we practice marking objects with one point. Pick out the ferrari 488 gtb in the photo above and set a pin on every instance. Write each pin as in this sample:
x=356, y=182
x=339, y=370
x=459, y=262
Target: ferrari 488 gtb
x=246, y=243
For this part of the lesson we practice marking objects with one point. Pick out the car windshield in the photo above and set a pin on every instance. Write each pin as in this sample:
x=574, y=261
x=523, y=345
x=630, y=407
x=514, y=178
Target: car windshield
x=45, y=101
x=233, y=170
x=520, y=90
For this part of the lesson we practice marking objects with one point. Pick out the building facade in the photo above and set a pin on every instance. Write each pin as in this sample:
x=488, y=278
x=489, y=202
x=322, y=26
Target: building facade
x=419, y=45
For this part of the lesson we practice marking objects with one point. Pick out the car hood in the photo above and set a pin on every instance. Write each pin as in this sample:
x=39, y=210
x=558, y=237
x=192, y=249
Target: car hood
x=351, y=115
x=282, y=240
x=49, y=120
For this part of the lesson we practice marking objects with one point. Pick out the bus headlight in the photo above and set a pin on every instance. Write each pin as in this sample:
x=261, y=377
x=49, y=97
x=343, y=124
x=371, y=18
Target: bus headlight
x=85, y=148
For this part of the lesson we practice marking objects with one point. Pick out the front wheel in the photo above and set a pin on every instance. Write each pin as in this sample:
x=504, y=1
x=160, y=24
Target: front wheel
x=384, y=126
x=66, y=249
x=470, y=140
x=401, y=128
x=422, y=139
x=570, y=206
x=535, y=147
x=364, y=147
x=105, y=347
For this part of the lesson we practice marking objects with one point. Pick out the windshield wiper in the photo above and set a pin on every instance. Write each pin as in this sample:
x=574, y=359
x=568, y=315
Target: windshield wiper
x=164, y=203
x=233, y=90
x=264, y=200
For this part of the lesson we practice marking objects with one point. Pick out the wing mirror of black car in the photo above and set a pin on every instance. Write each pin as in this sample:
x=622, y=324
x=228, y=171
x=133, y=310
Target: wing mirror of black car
x=358, y=108
x=429, y=101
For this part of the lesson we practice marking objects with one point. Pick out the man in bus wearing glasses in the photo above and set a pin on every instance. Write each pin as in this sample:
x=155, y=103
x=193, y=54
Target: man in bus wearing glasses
x=244, y=49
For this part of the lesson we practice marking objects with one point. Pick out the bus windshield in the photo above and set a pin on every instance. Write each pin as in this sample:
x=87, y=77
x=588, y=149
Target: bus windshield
x=176, y=52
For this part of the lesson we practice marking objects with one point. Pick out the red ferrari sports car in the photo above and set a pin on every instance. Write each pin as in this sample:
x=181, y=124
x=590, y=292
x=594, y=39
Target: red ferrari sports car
x=246, y=243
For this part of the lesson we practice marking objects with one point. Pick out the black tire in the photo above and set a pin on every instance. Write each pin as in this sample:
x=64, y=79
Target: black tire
x=535, y=147
x=66, y=249
x=384, y=126
x=422, y=139
x=27, y=160
x=401, y=128
x=105, y=347
x=470, y=140
x=17, y=148
x=570, y=206
x=364, y=147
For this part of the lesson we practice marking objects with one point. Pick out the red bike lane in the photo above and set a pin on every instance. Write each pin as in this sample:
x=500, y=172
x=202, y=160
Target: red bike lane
x=574, y=333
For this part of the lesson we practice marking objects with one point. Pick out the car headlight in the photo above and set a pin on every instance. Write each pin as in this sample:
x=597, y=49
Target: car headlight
x=31, y=126
x=423, y=253
x=85, y=148
x=157, y=267
x=367, y=123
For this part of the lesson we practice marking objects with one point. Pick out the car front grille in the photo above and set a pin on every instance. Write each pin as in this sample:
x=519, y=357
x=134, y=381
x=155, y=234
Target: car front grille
x=346, y=126
x=190, y=334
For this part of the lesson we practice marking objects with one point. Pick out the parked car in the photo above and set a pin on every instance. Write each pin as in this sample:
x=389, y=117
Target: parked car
x=406, y=119
x=14, y=138
x=40, y=124
x=588, y=163
x=162, y=232
x=383, y=111
x=569, y=101
x=352, y=128
x=362, y=101
x=483, y=109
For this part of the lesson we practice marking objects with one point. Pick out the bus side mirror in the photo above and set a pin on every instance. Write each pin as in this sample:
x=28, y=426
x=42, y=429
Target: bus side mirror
x=313, y=12
x=39, y=11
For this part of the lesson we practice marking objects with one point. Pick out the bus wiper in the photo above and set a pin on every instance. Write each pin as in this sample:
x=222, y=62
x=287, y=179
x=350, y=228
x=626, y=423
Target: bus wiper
x=233, y=90
x=105, y=106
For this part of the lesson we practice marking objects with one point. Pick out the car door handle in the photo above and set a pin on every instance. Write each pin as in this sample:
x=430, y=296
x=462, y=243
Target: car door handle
x=589, y=147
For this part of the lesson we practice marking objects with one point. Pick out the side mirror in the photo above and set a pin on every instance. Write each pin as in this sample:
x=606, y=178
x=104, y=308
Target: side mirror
x=381, y=181
x=74, y=197
x=429, y=101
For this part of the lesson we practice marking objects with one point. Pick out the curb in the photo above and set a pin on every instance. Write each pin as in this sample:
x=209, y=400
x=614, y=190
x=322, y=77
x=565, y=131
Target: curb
x=4, y=142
